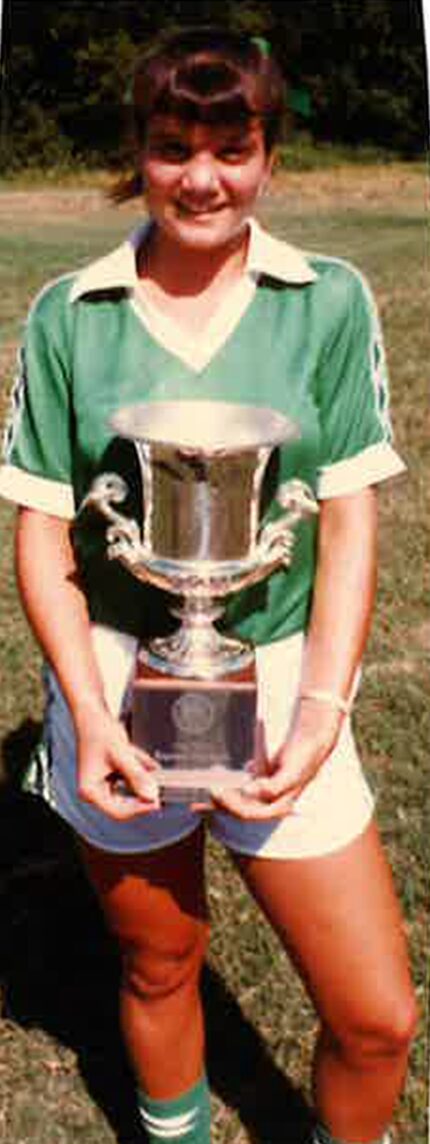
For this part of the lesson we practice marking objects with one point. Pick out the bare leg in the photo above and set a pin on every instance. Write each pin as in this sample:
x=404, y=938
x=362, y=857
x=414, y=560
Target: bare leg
x=154, y=905
x=339, y=920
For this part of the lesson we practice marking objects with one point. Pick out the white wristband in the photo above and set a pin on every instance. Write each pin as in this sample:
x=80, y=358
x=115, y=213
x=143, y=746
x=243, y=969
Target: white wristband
x=328, y=697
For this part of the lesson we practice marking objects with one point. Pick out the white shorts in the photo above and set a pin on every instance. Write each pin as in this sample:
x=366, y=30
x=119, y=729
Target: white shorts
x=333, y=809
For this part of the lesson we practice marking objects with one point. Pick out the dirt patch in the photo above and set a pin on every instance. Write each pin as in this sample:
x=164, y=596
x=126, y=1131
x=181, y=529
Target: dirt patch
x=360, y=187
x=398, y=185
x=422, y=635
x=46, y=202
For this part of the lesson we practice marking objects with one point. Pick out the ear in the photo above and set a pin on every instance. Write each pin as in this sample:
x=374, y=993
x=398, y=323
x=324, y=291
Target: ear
x=269, y=168
x=272, y=162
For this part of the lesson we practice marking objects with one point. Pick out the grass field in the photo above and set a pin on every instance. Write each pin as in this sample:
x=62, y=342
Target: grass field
x=63, y=1078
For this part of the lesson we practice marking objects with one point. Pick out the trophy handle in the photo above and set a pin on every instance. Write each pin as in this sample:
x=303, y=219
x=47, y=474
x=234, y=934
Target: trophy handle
x=274, y=546
x=276, y=540
x=123, y=534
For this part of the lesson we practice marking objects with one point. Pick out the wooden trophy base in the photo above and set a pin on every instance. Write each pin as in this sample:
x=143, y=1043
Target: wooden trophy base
x=200, y=732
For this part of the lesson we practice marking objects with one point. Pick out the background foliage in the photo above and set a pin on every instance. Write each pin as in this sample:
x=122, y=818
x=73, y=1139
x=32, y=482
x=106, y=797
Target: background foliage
x=66, y=66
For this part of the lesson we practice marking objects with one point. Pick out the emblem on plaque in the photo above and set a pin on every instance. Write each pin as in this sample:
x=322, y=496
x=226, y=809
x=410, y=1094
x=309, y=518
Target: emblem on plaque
x=193, y=714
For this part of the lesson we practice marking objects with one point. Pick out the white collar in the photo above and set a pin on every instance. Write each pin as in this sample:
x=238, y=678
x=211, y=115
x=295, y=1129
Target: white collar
x=266, y=255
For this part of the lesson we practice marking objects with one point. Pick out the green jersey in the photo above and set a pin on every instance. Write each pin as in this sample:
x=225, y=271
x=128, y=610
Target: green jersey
x=297, y=333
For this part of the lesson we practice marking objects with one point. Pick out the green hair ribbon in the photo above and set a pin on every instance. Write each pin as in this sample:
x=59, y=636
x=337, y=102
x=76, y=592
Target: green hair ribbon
x=262, y=45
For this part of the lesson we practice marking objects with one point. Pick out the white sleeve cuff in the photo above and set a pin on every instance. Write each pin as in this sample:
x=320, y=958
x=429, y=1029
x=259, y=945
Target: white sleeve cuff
x=374, y=464
x=53, y=497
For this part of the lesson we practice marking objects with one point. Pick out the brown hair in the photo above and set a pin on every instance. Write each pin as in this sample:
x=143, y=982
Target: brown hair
x=205, y=75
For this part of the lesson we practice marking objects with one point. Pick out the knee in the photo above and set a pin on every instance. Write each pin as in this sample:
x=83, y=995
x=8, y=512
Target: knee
x=156, y=972
x=385, y=1033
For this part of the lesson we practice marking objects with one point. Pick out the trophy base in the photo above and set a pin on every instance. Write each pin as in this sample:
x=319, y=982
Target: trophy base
x=200, y=732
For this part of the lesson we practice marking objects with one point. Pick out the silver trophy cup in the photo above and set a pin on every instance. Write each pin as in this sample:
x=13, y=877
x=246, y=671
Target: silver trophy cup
x=202, y=465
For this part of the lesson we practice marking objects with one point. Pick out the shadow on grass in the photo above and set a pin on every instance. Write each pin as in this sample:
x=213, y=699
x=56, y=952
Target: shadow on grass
x=60, y=973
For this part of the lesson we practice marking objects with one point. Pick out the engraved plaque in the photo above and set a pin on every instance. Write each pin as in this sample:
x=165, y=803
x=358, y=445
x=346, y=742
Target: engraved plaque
x=199, y=732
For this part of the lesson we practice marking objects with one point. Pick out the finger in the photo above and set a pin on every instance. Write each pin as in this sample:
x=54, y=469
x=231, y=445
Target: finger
x=122, y=747
x=264, y=789
x=127, y=810
x=141, y=778
x=110, y=789
x=254, y=767
x=243, y=805
x=145, y=760
x=120, y=743
x=118, y=804
x=263, y=766
x=274, y=805
x=289, y=780
x=122, y=809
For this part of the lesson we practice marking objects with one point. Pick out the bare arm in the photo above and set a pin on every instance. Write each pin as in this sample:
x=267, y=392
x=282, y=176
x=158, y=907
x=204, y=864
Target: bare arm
x=340, y=621
x=57, y=611
x=344, y=591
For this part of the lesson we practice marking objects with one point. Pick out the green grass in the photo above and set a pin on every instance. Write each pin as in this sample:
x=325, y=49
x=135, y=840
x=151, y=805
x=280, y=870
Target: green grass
x=304, y=154
x=62, y=1076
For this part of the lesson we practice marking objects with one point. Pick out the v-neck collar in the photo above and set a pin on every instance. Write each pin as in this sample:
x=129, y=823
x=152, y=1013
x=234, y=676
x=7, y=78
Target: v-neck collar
x=197, y=350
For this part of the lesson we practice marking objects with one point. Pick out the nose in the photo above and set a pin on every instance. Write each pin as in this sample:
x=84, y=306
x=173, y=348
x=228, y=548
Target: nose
x=200, y=175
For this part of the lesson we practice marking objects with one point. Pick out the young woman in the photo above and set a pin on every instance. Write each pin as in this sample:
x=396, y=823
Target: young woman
x=200, y=301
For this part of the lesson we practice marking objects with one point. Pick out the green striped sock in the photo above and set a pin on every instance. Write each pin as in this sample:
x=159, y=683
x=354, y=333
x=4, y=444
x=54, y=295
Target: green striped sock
x=185, y=1120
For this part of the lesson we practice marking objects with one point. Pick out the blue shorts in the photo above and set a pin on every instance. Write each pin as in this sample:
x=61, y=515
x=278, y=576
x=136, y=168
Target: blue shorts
x=333, y=809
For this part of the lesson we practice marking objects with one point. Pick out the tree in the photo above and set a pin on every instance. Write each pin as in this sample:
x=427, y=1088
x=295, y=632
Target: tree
x=69, y=63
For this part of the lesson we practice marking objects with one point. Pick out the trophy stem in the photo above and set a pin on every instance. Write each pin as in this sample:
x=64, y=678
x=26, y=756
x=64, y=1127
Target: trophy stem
x=197, y=650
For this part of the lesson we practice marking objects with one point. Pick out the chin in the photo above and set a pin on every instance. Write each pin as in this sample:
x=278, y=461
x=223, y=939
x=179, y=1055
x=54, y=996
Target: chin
x=205, y=237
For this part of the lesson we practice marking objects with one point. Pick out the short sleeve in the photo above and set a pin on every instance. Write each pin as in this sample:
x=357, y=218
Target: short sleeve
x=37, y=468
x=353, y=393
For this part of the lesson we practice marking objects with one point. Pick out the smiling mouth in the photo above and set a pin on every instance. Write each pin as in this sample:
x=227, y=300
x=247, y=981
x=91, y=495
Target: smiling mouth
x=199, y=212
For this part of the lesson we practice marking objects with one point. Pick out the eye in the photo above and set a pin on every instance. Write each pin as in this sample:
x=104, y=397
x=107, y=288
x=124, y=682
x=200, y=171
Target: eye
x=170, y=150
x=234, y=153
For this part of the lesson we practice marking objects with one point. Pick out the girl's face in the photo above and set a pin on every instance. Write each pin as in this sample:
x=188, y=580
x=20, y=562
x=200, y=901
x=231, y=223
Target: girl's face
x=201, y=182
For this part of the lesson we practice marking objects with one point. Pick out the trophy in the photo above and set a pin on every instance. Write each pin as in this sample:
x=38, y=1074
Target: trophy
x=193, y=698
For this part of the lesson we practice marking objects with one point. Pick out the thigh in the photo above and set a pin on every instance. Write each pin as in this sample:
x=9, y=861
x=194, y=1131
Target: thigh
x=339, y=920
x=152, y=902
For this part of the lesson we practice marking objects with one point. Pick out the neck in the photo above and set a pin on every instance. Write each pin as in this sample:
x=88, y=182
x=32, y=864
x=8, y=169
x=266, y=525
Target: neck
x=185, y=271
